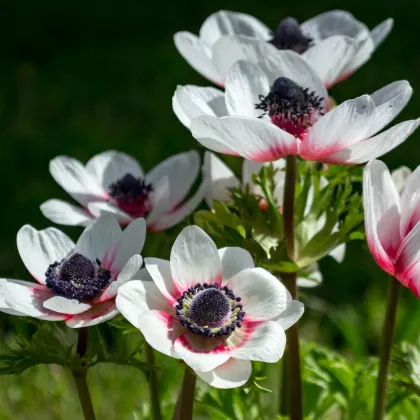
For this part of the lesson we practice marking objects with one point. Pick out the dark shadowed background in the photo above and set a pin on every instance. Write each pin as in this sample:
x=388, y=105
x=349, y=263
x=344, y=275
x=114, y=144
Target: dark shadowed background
x=78, y=78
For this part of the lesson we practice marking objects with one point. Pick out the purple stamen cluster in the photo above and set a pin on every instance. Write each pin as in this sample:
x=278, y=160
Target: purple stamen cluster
x=210, y=311
x=289, y=36
x=290, y=106
x=77, y=277
x=132, y=195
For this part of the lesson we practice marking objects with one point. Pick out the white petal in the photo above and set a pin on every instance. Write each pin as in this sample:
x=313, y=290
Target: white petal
x=225, y=22
x=197, y=54
x=230, y=49
x=345, y=125
x=334, y=22
x=39, y=249
x=181, y=170
x=329, y=57
x=407, y=266
x=244, y=84
x=110, y=166
x=389, y=102
x=363, y=54
x=139, y=296
x=263, y=296
x=191, y=101
x=381, y=31
x=382, y=214
x=72, y=176
x=98, y=209
x=128, y=273
x=63, y=213
x=160, y=330
x=159, y=200
x=200, y=353
x=313, y=278
x=293, y=66
x=219, y=179
x=63, y=305
x=129, y=243
x=194, y=259
x=180, y=213
x=264, y=342
x=374, y=147
x=338, y=253
x=231, y=374
x=291, y=314
x=399, y=177
x=251, y=138
x=98, y=236
x=18, y=296
x=234, y=260
x=100, y=312
x=410, y=203
x=160, y=271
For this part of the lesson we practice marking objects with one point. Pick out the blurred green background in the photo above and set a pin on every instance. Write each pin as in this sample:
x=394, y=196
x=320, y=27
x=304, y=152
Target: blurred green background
x=78, y=77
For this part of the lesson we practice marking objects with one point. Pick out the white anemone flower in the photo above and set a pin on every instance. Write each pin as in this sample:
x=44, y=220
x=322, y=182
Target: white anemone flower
x=211, y=308
x=392, y=221
x=76, y=283
x=279, y=107
x=334, y=42
x=220, y=179
x=114, y=182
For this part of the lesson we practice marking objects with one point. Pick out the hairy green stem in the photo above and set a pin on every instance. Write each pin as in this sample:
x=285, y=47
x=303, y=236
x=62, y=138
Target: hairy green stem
x=185, y=403
x=80, y=376
x=385, y=350
x=293, y=387
x=153, y=385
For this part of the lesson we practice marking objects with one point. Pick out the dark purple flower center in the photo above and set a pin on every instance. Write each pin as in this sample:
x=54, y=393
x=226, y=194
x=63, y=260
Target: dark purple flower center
x=289, y=36
x=131, y=195
x=77, y=277
x=290, y=106
x=209, y=310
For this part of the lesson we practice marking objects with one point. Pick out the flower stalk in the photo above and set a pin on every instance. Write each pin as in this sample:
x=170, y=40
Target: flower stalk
x=385, y=350
x=294, y=384
x=185, y=403
x=80, y=376
x=153, y=385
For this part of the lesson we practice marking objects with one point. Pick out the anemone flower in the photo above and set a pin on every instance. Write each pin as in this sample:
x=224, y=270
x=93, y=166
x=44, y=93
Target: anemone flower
x=392, y=213
x=76, y=283
x=334, y=42
x=279, y=107
x=211, y=308
x=220, y=179
x=114, y=182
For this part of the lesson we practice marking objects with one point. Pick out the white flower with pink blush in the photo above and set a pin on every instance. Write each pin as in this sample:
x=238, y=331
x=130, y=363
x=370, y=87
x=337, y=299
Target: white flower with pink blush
x=279, y=106
x=211, y=308
x=76, y=283
x=334, y=42
x=114, y=182
x=220, y=179
x=392, y=215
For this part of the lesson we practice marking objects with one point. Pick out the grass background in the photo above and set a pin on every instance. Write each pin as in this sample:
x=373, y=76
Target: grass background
x=77, y=78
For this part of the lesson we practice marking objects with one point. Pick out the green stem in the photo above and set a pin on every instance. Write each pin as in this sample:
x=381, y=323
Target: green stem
x=185, y=403
x=153, y=385
x=294, y=382
x=80, y=376
x=385, y=350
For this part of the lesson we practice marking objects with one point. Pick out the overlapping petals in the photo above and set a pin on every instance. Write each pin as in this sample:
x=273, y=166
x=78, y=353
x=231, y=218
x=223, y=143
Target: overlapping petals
x=339, y=44
x=196, y=266
x=160, y=199
x=117, y=251
x=392, y=213
x=345, y=135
